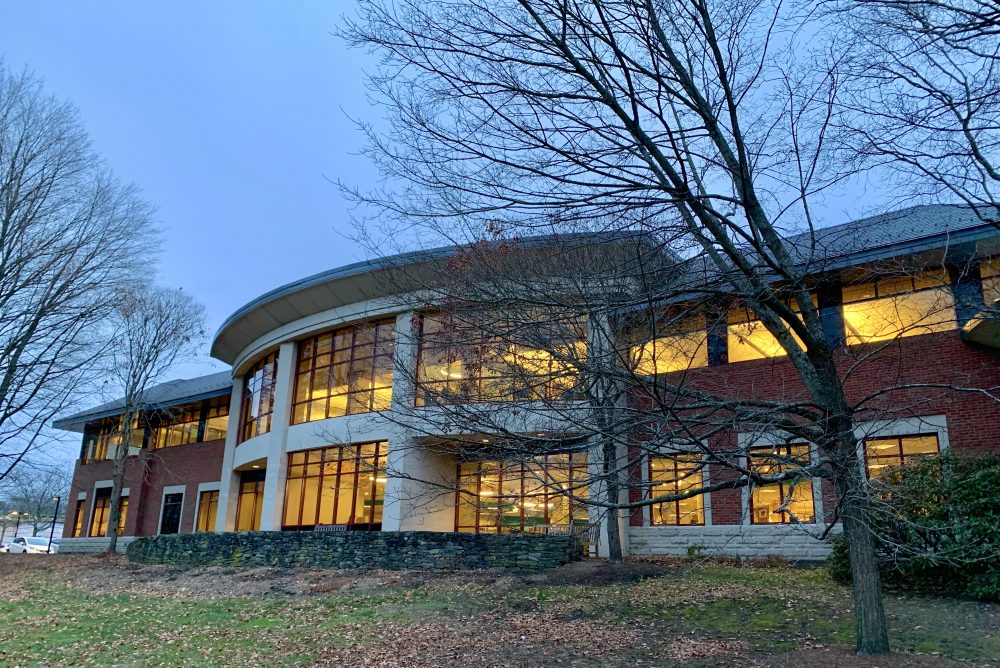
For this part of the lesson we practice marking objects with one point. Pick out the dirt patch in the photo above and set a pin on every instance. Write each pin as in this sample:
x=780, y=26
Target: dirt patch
x=598, y=572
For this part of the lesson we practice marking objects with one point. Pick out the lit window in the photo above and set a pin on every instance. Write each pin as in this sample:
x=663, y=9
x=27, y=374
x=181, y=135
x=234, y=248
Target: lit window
x=78, y=520
x=345, y=372
x=101, y=439
x=258, y=398
x=208, y=508
x=506, y=497
x=457, y=362
x=191, y=423
x=881, y=453
x=767, y=501
x=336, y=485
x=674, y=476
x=748, y=339
x=102, y=512
x=679, y=345
x=989, y=269
x=250, y=502
x=897, y=307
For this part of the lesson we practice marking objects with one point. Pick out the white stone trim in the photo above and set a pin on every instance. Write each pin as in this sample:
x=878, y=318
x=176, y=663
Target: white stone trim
x=171, y=489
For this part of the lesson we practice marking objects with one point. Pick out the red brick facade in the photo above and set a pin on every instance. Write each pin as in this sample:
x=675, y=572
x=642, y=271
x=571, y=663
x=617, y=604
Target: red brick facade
x=973, y=419
x=147, y=476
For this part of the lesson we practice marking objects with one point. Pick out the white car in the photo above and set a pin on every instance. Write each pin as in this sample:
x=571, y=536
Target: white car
x=22, y=545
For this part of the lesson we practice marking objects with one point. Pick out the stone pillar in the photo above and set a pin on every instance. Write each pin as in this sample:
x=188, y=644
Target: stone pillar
x=404, y=375
x=229, y=481
x=277, y=460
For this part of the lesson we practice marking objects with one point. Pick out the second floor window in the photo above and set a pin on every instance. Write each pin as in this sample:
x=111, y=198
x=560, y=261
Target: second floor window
x=676, y=345
x=258, y=398
x=345, y=372
x=462, y=361
x=889, y=308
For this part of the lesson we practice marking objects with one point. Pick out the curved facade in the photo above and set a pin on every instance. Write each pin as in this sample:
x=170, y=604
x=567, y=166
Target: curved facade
x=330, y=375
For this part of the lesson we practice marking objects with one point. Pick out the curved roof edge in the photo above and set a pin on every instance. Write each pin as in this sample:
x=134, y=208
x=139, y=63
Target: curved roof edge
x=349, y=284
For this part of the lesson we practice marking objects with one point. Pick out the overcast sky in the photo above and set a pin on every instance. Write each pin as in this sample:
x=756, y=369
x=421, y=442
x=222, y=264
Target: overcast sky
x=231, y=117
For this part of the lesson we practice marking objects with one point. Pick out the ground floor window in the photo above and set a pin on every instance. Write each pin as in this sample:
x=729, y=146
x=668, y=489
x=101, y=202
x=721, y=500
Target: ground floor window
x=675, y=475
x=336, y=485
x=102, y=513
x=208, y=508
x=251, y=501
x=78, y=519
x=897, y=450
x=502, y=497
x=170, y=520
x=768, y=502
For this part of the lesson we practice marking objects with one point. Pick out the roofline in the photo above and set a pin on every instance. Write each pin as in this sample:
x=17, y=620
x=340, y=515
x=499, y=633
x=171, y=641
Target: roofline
x=408, y=258
x=78, y=422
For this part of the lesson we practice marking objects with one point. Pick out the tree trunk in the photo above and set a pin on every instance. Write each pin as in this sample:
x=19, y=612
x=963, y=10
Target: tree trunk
x=869, y=610
x=613, y=491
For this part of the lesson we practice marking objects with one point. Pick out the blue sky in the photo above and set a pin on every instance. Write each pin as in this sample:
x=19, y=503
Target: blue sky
x=232, y=117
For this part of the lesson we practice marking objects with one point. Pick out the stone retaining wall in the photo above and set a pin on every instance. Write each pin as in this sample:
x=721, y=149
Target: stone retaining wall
x=357, y=549
x=795, y=542
x=92, y=545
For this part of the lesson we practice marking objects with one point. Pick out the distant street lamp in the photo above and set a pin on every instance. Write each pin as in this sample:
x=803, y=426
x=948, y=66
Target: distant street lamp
x=52, y=531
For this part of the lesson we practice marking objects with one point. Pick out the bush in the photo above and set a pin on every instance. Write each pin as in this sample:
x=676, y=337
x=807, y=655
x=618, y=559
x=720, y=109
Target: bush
x=839, y=562
x=937, y=524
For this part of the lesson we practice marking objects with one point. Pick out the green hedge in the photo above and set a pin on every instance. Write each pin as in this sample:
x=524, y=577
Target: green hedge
x=937, y=524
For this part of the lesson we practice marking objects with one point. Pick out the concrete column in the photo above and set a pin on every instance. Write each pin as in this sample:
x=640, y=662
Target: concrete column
x=229, y=482
x=403, y=397
x=277, y=461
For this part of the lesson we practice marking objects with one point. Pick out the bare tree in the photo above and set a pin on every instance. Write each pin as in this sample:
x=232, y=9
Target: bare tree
x=681, y=122
x=69, y=234
x=153, y=329
x=921, y=96
x=32, y=489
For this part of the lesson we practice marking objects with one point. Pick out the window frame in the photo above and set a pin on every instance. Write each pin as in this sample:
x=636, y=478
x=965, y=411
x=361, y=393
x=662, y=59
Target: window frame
x=578, y=512
x=941, y=285
x=382, y=348
x=698, y=461
x=338, y=454
x=264, y=372
x=213, y=503
x=903, y=457
x=806, y=482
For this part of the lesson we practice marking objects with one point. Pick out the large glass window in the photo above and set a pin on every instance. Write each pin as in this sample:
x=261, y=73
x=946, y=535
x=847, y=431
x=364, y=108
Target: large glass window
x=678, y=344
x=101, y=439
x=748, y=339
x=102, y=512
x=504, y=497
x=191, y=423
x=208, y=508
x=258, y=398
x=458, y=362
x=900, y=306
x=767, y=502
x=676, y=475
x=345, y=372
x=336, y=485
x=897, y=450
x=250, y=503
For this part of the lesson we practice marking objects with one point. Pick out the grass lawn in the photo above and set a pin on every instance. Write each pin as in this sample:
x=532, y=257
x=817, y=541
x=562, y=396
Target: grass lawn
x=78, y=611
